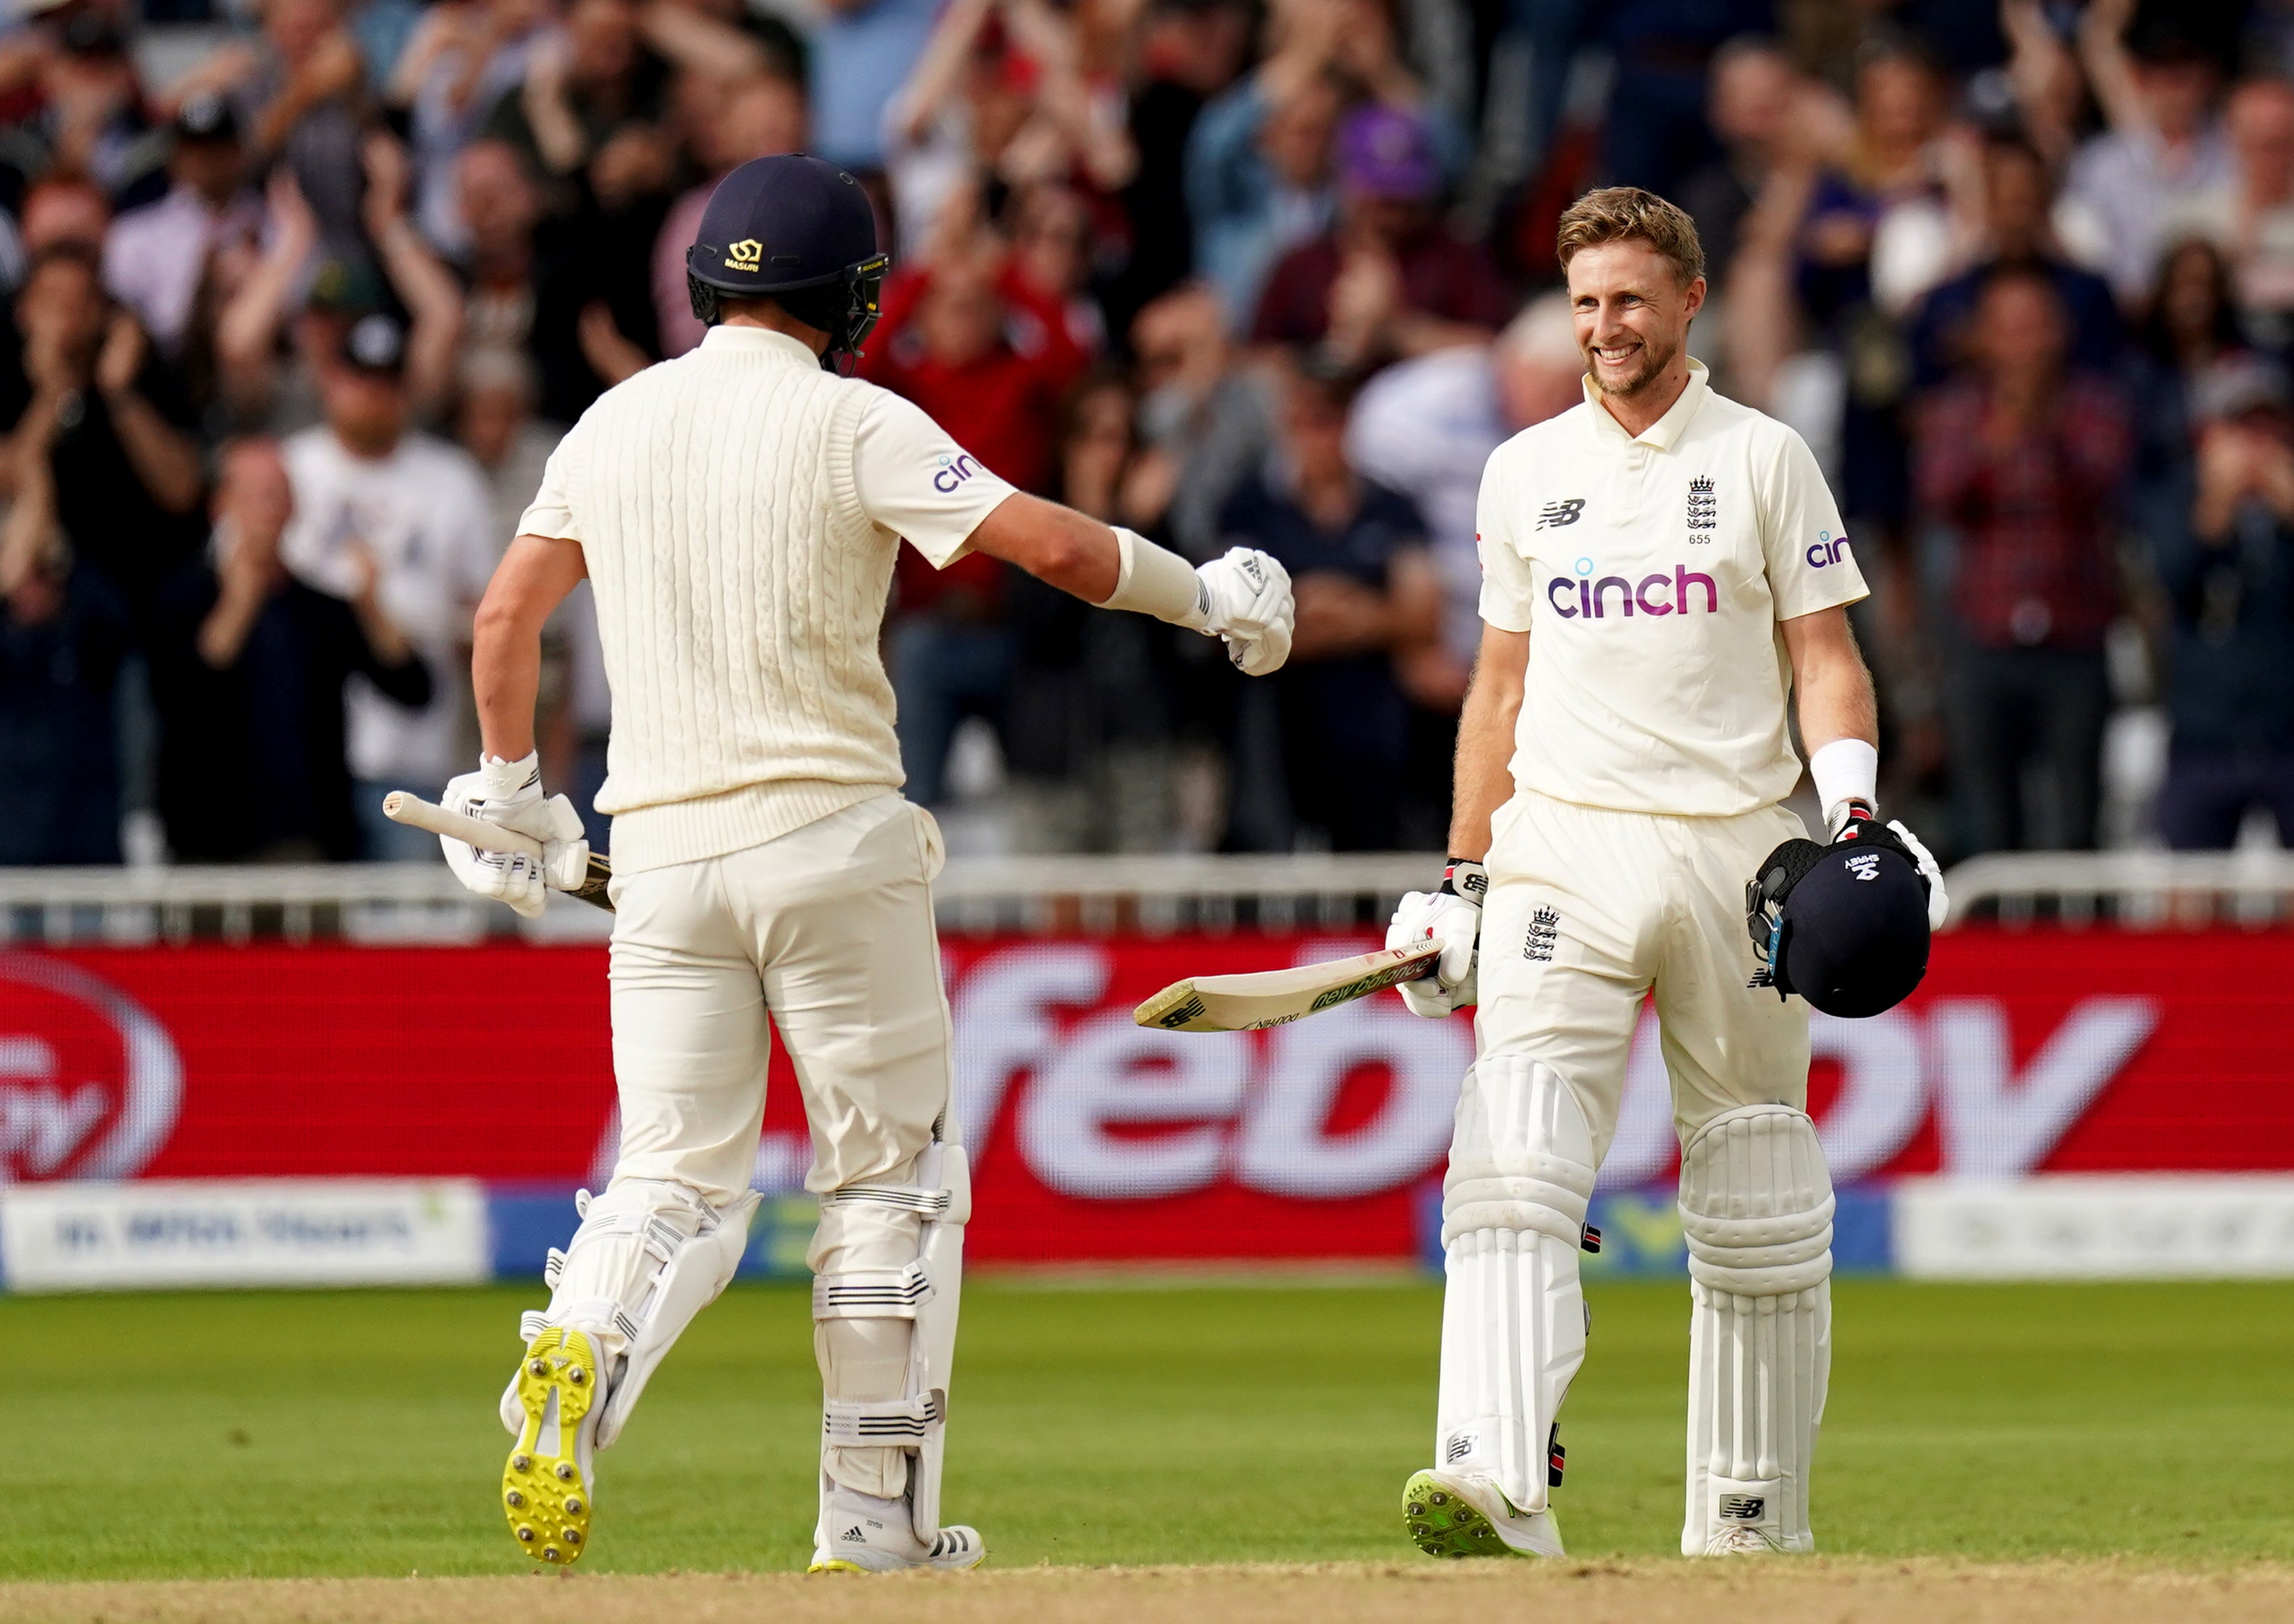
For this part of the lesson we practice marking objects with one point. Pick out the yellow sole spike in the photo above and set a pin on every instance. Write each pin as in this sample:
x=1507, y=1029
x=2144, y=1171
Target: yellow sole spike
x=543, y=1497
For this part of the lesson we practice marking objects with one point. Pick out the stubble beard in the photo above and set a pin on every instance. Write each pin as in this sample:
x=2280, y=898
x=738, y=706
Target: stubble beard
x=1653, y=362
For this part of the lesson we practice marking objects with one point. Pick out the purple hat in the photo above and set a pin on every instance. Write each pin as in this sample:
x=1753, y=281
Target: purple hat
x=1387, y=153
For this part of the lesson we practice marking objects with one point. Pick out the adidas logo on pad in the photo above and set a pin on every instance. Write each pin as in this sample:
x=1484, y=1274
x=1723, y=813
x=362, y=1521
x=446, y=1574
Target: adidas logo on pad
x=853, y=1535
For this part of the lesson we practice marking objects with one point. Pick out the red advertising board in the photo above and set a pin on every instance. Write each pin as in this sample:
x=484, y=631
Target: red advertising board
x=2082, y=1052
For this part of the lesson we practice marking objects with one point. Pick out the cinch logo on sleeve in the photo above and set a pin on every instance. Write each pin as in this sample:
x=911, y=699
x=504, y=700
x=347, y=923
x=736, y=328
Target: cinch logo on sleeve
x=953, y=471
x=1585, y=598
x=1826, y=548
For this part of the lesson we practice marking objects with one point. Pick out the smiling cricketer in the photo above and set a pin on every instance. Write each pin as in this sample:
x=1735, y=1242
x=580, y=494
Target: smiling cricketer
x=1662, y=568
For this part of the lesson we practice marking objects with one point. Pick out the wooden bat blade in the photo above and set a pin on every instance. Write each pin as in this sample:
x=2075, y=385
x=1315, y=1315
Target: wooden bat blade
x=1272, y=998
x=412, y=810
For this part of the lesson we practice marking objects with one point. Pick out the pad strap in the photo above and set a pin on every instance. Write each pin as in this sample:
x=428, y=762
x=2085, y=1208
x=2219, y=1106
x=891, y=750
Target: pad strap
x=881, y=1422
x=871, y=1294
x=933, y=1203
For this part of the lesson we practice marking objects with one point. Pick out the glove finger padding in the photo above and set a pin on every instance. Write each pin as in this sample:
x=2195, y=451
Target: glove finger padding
x=1260, y=655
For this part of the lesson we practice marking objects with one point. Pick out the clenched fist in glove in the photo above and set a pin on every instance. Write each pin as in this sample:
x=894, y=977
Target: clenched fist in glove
x=1452, y=916
x=510, y=793
x=1246, y=600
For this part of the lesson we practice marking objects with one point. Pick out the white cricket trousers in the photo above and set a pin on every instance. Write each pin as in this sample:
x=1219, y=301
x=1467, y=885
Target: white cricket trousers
x=1589, y=911
x=828, y=932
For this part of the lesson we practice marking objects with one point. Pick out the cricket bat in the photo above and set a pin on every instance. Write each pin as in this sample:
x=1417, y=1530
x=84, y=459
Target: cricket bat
x=412, y=810
x=1275, y=997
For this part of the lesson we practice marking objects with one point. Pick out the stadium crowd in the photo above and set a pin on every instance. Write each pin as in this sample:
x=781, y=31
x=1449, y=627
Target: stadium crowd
x=303, y=292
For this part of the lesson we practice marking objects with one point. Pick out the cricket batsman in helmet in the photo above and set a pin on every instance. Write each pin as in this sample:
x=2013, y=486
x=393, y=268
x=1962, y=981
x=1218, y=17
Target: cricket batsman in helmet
x=1662, y=568
x=737, y=512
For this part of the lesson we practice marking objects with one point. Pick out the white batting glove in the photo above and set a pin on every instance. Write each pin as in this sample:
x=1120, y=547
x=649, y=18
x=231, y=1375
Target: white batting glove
x=510, y=793
x=1452, y=916
x=1923, y=859
x=1246, y=602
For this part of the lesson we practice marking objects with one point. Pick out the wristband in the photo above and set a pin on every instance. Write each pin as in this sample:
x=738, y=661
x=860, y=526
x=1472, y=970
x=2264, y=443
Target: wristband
x=499, y=780
x=1465, y=877
x=1154, y=580
x=1844, y=770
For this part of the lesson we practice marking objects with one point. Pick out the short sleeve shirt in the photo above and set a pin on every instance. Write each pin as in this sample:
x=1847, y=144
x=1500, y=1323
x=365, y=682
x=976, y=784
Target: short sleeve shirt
x=1651, y=573
x=912, y=478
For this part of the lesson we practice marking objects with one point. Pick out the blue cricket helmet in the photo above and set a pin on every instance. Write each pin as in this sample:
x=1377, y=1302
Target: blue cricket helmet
x=1845, y=926
x=797, y=230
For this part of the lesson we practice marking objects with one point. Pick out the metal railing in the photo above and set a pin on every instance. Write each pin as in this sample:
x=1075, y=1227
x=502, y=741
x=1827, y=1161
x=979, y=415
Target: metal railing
x=421, y=902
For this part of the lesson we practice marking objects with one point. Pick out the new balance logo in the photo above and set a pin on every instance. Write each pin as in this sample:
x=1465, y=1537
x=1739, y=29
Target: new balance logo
x=1553, y=515
x=1743, y=1508
x=1457, y=1449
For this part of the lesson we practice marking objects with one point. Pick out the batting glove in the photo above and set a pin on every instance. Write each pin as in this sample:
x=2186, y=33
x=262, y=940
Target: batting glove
x=1246, y=602
x=510, y=793
x=1452, y=916
x=1861, y=826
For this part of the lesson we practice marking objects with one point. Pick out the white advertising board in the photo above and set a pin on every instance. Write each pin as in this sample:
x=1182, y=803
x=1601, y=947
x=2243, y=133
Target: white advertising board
x=76, y=1235
x=2099, y=1226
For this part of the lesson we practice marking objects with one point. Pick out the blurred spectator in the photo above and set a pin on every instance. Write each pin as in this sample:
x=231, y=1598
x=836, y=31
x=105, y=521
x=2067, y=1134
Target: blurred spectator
x=263, y=659
x=1051, y=259
x=2227, y=574
x=990, y=361
x=2023, y=463
x=62, y=209
x=2016, y=200
x=1258, y=174
x=1424, y=427
x=2252, y=216
x=86, y=113
x=1369, y=601
x=154, y=257
x=373, y=497
x=592, y=100
x=2163, y=143
x=463, y=57
x=1663, y=49
x=2191, y=327
x=998, y=103
x=763, y=114
x=862, y=53
x=100, y=446
x=1188, y=52
x=63, y=633
x=494, y=423
x=1203, y=421
x=1390, y=279
x=1751, y=105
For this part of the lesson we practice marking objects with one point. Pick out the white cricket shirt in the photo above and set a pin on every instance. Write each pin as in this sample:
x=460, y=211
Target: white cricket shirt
x=1650, y=572
x=739, y=510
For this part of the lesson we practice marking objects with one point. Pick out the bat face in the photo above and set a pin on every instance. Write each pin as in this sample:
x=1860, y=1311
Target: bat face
x=1275, y=998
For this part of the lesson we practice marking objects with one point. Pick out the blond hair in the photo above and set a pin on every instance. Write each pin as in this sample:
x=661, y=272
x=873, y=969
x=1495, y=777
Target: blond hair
x=1627, y=213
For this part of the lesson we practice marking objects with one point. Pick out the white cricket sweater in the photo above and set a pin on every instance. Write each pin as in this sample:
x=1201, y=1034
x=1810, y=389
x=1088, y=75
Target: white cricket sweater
x=738, y=511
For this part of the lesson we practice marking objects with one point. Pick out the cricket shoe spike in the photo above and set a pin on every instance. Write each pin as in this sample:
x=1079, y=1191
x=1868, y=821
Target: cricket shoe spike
x=545, y=1485
x=1465, y=1513
x=859, y=1533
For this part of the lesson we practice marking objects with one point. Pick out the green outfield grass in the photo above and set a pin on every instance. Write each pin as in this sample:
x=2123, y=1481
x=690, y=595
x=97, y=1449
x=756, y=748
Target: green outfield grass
x=354, y=1433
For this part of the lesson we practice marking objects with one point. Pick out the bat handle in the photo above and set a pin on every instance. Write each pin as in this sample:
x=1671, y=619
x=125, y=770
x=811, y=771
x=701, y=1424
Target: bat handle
x=416, y=813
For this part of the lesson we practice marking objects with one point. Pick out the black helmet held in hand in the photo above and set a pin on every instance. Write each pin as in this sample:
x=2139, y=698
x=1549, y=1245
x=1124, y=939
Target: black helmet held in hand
x=1845, y=926
x=798, y=231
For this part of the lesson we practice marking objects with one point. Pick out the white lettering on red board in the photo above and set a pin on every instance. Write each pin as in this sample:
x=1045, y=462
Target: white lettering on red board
x=1107, y=1110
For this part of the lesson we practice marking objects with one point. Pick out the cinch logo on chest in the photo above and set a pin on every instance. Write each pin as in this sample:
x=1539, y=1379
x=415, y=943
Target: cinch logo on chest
x=1585, y=598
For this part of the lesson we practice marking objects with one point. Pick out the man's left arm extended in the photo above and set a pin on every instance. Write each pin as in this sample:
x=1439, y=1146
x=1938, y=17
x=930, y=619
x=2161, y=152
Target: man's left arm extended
x=1840, y=725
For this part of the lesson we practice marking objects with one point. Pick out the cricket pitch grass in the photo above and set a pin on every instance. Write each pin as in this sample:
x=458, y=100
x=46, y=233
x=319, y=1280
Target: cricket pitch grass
x=1144, y=1455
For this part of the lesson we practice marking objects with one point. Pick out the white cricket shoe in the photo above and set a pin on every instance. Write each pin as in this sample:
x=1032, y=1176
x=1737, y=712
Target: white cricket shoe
x=1465, y=1513
x=859, y=1533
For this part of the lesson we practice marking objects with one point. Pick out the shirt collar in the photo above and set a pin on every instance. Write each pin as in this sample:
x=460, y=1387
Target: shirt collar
x=760, y=341
x=1665, y=432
